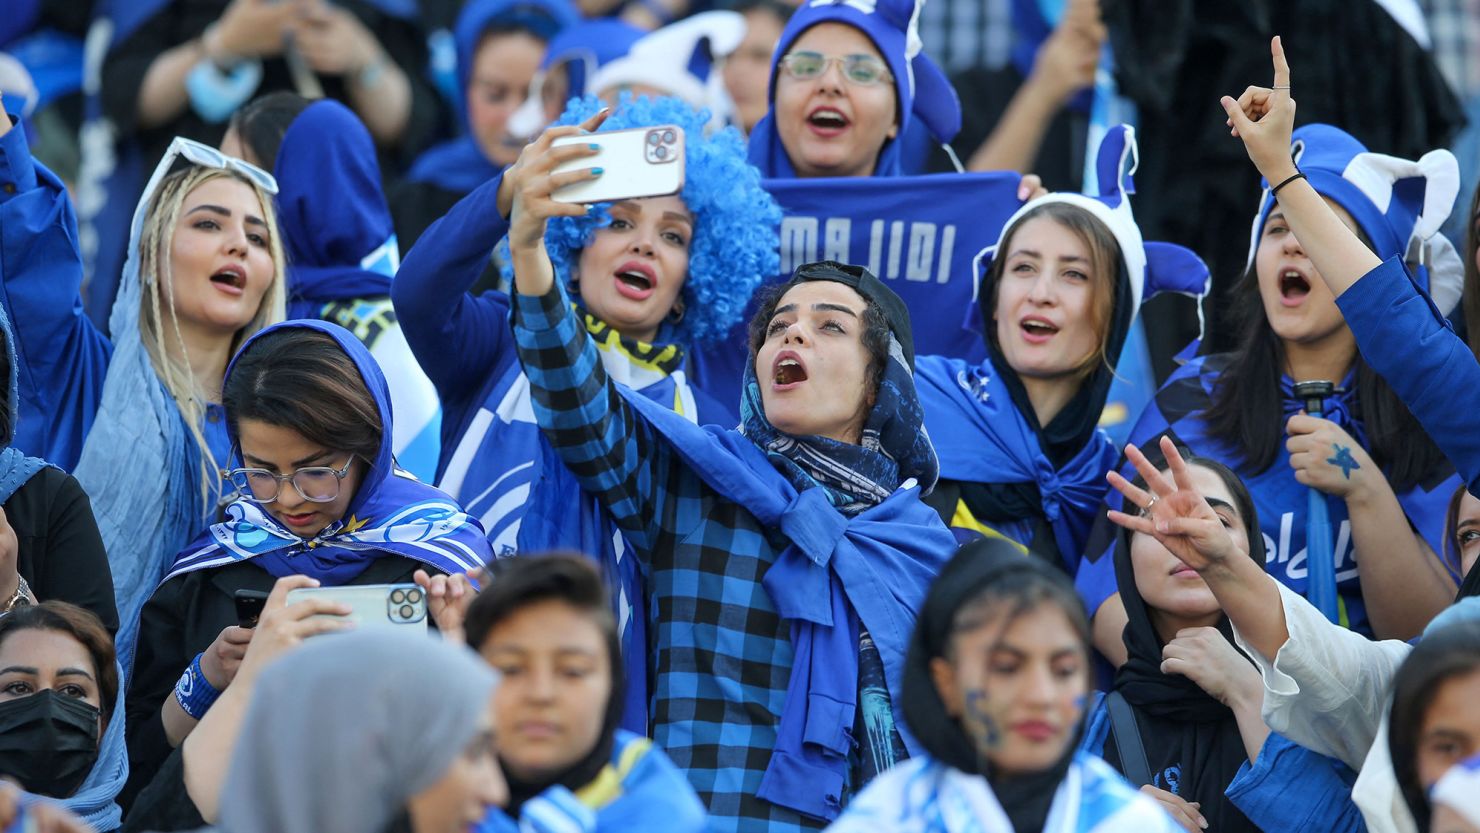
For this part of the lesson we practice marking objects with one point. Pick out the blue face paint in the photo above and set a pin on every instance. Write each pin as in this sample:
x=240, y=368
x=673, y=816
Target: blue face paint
x=982, y=725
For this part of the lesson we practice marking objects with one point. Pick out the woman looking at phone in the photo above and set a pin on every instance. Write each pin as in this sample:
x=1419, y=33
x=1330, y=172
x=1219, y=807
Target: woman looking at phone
x=650, y=277
x=545, y=624
x=320, y=495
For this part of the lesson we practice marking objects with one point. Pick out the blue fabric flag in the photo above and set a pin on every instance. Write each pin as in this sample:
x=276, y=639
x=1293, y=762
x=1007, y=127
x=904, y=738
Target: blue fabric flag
x=391, y=513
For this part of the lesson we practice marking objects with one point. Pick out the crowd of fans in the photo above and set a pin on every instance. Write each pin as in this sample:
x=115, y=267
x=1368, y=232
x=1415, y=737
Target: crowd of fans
x=783, y=501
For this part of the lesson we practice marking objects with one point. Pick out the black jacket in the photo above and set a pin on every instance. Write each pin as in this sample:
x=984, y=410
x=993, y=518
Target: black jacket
x=61, y=553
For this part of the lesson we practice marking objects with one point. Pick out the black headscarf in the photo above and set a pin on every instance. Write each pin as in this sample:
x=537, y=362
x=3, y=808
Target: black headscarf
x=1192, y=741
x=1026, y=799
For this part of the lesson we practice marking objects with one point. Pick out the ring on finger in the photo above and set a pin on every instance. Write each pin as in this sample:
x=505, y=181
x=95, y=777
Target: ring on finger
x=1150, y=505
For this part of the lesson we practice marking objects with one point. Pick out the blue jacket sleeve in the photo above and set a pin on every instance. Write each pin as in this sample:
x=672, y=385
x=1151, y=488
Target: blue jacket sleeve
x=61, y=358
x=458, y=338
x=1291, y=788
x=1403, y=337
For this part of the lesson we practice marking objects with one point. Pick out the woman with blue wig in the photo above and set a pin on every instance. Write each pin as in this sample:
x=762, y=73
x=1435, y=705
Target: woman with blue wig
x=652, y=277
x=342, y=251
x=309, y=416
x=500, y=45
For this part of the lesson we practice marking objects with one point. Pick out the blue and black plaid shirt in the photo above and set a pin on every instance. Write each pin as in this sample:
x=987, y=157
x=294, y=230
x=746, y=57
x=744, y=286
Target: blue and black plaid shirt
x=722, y=654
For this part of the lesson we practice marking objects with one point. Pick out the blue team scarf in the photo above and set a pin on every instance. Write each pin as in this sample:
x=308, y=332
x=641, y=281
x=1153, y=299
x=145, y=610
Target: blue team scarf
x=458, y=164
x=391, y=514
x=839, y=574
x=335, y=224
x=983, y=437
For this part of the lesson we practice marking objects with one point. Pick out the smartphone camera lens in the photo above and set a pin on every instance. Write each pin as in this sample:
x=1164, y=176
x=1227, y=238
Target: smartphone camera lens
x=413, y=596
x=661, y=152
x=407, y=611
x=655, y=138
x=668, y=137
x=398, y=596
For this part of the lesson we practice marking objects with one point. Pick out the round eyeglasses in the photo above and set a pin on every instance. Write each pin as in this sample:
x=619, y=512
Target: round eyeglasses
x=316, y=484
x=864, y=70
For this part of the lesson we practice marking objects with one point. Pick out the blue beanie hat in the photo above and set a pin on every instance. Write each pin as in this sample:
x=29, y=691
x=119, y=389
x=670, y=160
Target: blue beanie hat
x=921, y=89
x=1398, y=204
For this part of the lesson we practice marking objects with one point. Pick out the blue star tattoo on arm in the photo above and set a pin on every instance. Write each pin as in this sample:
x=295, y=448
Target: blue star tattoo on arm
x=1344, y=459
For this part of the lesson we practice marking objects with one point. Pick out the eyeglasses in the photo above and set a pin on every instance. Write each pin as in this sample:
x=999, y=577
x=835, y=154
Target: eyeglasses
x=315, y=484
x=863, y=70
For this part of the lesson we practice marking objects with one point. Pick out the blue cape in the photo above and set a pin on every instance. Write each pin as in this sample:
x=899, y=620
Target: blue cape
x=459, y=164
x=982, y=437
x=335, y=224
x=391, y=514
x=838, y=574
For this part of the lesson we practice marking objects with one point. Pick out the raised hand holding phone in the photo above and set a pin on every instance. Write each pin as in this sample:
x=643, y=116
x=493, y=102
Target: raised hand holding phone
x=636, y=163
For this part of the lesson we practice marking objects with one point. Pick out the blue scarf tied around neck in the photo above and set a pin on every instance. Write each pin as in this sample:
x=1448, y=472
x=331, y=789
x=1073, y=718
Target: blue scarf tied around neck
x=392, y=513
x=853, y=562
x=990, y=441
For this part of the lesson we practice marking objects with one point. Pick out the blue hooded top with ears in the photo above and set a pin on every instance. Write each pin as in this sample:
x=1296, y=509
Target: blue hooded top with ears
x=392, y=513
x=333, y=217
x=1399, y=204
x=921, y=89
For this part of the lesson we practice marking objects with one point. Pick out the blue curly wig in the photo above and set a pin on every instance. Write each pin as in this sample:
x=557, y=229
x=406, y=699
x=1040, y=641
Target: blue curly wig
x=735, y=220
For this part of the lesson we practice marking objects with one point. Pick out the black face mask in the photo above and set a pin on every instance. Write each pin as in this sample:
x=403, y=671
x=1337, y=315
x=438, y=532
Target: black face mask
x=48, y=742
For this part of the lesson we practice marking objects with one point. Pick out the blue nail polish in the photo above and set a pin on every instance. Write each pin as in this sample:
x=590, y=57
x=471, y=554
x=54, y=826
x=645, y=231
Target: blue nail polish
x=594, y=146
x=597, y=171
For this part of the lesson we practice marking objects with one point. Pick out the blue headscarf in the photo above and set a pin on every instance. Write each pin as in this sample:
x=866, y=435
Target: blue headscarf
x=459, y=164
x=140, y=461
x=922, y=91
x=335, y=225
x=15, y=467
x=391, y=514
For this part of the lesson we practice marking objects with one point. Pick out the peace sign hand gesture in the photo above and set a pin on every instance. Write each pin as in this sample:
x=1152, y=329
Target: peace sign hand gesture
x=1174, y=513
x=1264, y=118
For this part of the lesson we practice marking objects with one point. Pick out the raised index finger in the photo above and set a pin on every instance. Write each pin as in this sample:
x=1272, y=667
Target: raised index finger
x=1281, y=68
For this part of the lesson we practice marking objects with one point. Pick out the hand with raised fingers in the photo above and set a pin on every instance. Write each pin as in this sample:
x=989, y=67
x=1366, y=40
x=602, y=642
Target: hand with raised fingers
x=1264, y=117
x=1172, y=511
x=530, y=182
x=283, y=627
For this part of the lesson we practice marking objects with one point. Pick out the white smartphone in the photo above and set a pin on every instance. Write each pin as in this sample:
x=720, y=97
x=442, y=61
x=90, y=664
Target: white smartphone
x=640, y=162
x=391, y=606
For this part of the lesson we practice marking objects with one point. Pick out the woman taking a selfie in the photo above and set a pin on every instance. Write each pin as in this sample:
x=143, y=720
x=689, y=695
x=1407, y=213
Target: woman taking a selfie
x=320, y=495
x=650, y=277
x=994, y=688
x=721, y=523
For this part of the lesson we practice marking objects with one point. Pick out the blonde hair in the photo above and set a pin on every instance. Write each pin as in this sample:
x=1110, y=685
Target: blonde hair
x=159, y=328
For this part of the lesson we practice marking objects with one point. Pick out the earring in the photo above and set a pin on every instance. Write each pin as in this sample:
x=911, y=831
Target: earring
x=677, y=313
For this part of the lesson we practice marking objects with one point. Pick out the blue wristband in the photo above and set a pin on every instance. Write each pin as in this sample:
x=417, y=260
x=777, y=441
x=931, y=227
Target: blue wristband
x=194, y=692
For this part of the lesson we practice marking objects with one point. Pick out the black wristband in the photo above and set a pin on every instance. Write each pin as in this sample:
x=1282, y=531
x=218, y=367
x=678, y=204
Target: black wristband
x=1274, y=192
